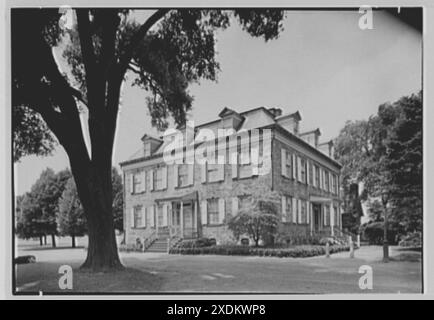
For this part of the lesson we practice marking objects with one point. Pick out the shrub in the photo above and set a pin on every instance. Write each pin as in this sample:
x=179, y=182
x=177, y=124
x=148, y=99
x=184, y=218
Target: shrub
x=196, y=243
x=25, y=259
x=296, y=252
x=411, y=240
x=374, y=233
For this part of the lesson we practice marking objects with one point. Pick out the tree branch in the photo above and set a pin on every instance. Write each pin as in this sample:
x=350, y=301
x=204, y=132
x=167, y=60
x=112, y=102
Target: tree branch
x=139, y=35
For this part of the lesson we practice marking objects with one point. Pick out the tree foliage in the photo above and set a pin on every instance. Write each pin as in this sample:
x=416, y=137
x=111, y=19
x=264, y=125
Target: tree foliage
x=258, y=220
x=385, y=153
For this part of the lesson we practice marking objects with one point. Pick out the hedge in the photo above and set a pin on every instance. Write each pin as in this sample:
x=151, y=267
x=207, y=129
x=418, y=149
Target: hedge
x=296, y=252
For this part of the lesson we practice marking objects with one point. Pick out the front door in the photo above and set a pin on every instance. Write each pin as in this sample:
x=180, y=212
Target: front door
x=188, y=226
x=316, y=216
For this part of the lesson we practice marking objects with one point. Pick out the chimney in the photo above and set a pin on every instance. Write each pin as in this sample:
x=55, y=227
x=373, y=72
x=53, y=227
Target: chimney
x=276, y=112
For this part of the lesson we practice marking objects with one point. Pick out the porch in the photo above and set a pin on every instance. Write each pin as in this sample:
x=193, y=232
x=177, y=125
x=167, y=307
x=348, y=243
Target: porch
x=177, y=217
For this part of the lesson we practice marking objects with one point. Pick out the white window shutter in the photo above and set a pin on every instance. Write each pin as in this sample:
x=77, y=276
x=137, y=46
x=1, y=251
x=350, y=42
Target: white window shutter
x=294, y=210
x=221, y=172
x=299, y=210
x=151, y=180
x=221, y=210
x=164, y=178
x=234, y=171
x=143, y=181
x=314, y=176
x=299, y=169
x=283, y=208
x=204, y=172
x=204, y=212
x=175, y=176
x=294, y=167
x=132, y=183
x=191, y=174
x=132, y=218
x=152, y=215
x=332, y=214
x=283, y=160
x=308, y=211
x=307, y=171
x=143, y=214
x=165, y=211
x=234, y=206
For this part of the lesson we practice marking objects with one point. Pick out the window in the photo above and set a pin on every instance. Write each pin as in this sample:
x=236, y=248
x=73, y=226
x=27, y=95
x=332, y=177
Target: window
x=183, y=175
x=310, y=173
x=317, y=177
x=326, y=215
x=303, y=170
x=148, y=217
x=138, y=220
x=147, y=149
x=244, y=202
x=289, y=209
x=327, y=180
x=303, y=211
x=137, y=183
x=288, y=164
x=214, y=173
x=160, y=178
x=213, y=211
x=160, y=215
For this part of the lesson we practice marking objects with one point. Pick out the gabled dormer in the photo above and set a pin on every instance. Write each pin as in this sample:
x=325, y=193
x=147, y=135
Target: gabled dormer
x=311, y=137
x=290, y=122
x=230, y=119
x=327, y=148
x=150, y=144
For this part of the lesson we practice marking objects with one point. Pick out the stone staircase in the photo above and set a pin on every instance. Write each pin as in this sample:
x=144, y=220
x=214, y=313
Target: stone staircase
x=160, y=244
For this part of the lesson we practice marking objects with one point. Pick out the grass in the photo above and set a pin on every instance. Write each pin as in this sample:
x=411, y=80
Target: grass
x=46, y=279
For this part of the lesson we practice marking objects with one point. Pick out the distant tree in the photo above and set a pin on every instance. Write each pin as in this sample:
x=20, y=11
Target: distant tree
x=40, y=205
x=404, y=162
x=28, y=221
x=118, y=200
x=385, y=153
x=169, y=51
x=70, y=219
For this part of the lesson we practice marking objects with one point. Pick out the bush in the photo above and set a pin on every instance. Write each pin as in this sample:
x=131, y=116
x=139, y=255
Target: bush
x=196, y=243
x=411, y=240
x=374, y=233
x=296, y=252
x=25, y=259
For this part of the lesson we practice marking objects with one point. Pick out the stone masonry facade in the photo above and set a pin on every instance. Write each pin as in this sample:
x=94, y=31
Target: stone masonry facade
x=197, y=200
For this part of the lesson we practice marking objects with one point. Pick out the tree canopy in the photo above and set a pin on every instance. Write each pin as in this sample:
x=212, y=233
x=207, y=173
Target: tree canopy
x=385, y=153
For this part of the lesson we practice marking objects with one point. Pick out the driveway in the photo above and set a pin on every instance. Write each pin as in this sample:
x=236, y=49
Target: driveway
x=158, y=273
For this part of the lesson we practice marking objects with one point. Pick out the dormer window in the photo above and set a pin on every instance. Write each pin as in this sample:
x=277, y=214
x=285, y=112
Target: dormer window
x=290, y=122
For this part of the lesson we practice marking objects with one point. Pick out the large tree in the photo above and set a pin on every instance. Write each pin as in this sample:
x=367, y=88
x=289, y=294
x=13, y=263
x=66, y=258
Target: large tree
x=166, y=53
x=385, y=153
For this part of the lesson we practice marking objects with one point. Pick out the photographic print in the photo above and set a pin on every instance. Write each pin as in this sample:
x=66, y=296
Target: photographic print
x=217, y=150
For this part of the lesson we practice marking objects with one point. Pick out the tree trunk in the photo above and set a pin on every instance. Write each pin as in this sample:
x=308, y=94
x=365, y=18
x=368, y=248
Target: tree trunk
x=40, y=241
x=45, y=239
x=73, y=241
x=53, y=240
x=95, y=188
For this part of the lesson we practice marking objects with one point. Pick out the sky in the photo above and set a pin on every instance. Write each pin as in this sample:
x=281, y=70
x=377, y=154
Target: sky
x=322, y=65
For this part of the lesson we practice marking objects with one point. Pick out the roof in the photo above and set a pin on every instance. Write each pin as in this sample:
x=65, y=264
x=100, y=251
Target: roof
x=317, y=131
x=295, y=115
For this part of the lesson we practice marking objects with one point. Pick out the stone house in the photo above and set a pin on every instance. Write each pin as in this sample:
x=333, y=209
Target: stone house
x=190, y=199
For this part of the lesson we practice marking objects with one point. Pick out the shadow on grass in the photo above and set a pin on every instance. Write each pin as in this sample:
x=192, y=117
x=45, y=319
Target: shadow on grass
x=36, y=277
x=30, y=248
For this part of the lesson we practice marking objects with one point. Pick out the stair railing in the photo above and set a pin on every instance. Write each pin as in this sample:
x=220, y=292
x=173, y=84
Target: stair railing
x=147, y=242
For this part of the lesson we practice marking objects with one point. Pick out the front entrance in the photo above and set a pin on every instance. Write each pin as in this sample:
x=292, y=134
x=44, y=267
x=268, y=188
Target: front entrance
x=183, y=219
x=316, y=208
